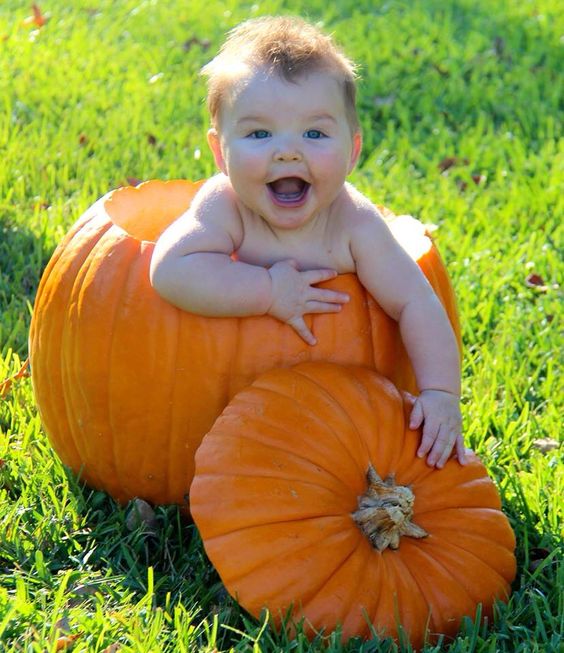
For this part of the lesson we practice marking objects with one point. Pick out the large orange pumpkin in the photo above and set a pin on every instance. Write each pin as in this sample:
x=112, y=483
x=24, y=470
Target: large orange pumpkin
x=309, y=497
x=127, y=385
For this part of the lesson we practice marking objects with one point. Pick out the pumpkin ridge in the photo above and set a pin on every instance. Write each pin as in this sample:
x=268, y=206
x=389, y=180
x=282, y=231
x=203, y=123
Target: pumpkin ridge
x=444, y=544
x=457, y=479
x=412, y=470
x=340, y=536
x=403, y=478
x=335, y=399
x=363, y=386
x=333, y=522
x=368, y=592
x=173, y=357
x=355, y=551
x=142, y=263
x=287, y=451
x=383, y=597
x=315, y=419
x=290, y=520
x=323, y=389
x=371, y=304
x=235, y=474
x=330, y=517
x=234, y=365
x=57, y=254
x=140, y=449
x=71, y=263
x=470, y=514
x=67, y=362
x=394, y=561
x=110, y=367
x=257, y=495
x=501, y=550
x=430, y=597
x=430, y=625
x=458, y=509
x=478, y=483
x=271, y=424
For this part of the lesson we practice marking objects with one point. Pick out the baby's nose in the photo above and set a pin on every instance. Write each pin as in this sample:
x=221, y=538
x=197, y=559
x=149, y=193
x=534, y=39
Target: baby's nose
x=288, y=152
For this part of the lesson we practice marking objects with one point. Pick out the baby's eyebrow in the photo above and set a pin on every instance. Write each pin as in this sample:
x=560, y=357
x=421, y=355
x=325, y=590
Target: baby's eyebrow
x=316, y=117
x=246, y=119
x=323, y=116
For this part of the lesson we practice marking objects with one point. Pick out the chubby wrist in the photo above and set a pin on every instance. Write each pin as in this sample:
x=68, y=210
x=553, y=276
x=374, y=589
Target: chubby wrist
x=246, y=289
x=452, y=393
x=265, y=297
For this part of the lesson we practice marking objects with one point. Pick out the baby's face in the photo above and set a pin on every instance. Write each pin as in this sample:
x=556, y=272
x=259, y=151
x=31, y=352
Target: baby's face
x=287, y=147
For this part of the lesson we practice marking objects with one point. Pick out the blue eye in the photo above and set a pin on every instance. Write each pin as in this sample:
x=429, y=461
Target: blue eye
x=259, y=133
x=314, y=133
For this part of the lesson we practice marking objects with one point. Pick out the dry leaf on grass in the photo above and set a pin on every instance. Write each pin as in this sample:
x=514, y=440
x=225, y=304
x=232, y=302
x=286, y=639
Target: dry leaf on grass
x=141, y=514
x=6, y=385
x=545, y=444
x=37, y=19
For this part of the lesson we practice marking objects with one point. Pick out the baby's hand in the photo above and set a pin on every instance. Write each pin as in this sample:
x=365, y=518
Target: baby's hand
x=439, y=412
x=293, y=295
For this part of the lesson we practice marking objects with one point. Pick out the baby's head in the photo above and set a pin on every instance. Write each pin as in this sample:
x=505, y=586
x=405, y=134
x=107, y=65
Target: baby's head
x=286, y=46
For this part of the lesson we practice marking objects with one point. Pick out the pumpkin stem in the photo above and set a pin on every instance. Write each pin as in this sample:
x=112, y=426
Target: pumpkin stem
x=384, y=512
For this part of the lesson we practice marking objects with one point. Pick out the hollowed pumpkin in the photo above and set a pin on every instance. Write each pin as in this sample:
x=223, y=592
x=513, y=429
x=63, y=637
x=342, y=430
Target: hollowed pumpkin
x=310, y=498
x=127, y=384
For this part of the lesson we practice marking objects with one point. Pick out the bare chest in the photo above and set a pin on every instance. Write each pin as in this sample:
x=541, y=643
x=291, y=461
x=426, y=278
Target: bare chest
x=317, y=248
x=310, y=251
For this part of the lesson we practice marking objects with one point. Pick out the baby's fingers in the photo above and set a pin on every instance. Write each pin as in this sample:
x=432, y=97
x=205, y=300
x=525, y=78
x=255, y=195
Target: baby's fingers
x=321, y=307
x=442, y=448
x=461, y=450
x=429, y=435
x=316, y=276
x=301, y=328
x=328, y=296
x=416, y=416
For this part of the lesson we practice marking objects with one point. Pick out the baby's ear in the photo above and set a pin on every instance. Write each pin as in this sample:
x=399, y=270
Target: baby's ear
x=356, y=149
x=215, y=146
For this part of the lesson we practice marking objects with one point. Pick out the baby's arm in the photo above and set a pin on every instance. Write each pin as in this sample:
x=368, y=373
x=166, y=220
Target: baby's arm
x=192, y=268
x=399, y=286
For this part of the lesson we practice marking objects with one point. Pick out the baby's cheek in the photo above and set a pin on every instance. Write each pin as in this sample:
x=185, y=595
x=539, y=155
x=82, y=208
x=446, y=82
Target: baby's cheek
x=246, y=156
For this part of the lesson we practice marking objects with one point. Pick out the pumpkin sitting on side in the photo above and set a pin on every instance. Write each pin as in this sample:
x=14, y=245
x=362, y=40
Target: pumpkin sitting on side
x=309, y=497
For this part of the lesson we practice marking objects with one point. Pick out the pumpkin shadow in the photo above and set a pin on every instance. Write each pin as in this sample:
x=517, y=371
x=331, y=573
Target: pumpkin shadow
x=166, y=554
x=23, y=256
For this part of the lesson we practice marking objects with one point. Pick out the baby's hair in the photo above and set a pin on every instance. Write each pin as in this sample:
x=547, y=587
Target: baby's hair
x=284, y=45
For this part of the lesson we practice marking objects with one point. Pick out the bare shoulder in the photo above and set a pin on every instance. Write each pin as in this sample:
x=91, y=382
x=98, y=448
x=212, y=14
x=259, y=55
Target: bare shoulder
x=383, y=266
x=215, y=201
x=361, y=219
x=212, y=222
x=215, y=208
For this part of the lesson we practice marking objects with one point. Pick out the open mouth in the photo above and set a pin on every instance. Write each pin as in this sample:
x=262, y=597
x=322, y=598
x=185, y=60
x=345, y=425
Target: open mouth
x=289, y=191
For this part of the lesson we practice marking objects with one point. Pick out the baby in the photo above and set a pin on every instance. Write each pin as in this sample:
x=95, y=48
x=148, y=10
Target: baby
x=280, y=217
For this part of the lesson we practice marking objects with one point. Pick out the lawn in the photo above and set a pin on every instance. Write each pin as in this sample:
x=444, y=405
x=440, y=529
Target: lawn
x=461, y=109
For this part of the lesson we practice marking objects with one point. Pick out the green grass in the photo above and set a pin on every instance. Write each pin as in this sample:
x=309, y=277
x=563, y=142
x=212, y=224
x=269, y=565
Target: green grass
x=109, y=90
